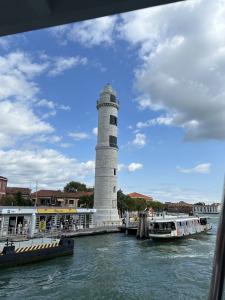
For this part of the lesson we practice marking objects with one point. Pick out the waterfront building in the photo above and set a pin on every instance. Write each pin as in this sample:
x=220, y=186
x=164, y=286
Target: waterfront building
x=30, y=221
x=58, y=198
x=105, y=193
x=202, y=208
x=179, y=207
x=135, y=195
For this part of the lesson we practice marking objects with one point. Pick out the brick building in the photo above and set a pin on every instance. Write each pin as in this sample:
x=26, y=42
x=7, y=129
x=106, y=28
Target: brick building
x=13, y=192
x=3, y=186
x=58, y=198
x=179, y=207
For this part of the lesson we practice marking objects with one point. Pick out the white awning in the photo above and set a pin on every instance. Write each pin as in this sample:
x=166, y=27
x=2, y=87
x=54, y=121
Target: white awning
x=60, y=200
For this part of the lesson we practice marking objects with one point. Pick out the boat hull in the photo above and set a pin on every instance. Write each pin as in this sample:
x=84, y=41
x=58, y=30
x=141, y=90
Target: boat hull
x=13, y=258
x=167, y=237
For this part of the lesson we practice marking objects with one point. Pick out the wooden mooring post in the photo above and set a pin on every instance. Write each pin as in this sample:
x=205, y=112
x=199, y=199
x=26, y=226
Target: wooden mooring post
x=143, y=230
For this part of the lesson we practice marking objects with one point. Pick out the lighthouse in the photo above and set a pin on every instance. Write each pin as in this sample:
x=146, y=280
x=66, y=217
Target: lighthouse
x=106, y=166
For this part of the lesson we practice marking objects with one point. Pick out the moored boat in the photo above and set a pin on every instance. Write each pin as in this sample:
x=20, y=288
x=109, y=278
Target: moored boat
x=177, y=227
x=14, y=256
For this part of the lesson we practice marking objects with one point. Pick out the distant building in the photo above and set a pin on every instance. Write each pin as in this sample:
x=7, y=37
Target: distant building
x=179, y=207
x=58, y=198
x=135, y=195
x=202, y=208
x=13, y=191
x=3, y=186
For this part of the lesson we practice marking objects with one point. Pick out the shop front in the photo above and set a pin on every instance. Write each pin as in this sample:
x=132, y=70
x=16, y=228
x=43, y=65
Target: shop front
x=15, y=221
x=30, y=221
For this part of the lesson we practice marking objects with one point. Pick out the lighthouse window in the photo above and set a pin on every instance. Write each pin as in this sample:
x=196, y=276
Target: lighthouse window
x=114, y=171
x=113, y=120
x=112, y=98
x=112, y=141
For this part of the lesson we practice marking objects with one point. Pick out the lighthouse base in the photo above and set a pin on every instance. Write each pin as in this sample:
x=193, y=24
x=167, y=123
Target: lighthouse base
x=104, y=217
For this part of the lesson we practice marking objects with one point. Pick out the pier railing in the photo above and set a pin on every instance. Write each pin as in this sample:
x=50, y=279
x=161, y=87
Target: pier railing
x=54, y=231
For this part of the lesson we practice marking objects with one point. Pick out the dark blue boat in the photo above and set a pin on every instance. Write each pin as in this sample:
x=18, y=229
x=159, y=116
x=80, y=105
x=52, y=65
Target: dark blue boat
x=10, y=256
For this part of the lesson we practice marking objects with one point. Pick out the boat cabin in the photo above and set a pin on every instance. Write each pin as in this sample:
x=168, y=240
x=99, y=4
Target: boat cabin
x=162, y=227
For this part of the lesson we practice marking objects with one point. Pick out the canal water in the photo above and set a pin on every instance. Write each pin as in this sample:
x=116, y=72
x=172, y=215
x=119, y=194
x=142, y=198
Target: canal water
x=116, y=266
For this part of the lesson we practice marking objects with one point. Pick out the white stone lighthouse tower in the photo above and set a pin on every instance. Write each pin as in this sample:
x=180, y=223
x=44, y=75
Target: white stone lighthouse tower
x=105, y=194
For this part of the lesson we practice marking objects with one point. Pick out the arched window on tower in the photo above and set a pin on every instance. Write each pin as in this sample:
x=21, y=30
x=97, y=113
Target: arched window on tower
x=114, y=189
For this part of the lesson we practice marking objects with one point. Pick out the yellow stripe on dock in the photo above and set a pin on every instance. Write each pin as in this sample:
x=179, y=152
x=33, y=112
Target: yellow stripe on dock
x=36, y=247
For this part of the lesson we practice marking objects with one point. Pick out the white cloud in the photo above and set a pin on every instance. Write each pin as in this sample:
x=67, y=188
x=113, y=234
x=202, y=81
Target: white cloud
x=162, y=120
x=61, y=64
x=134, y=167
x=201, y=169
x=46, y=103
x=77, y=136
x=139, y=140
x=88, y=33
x=64, y=107
x=95, y=131
x=65, y=145
x=18, y=121
x=52, y=106
x=4, y=42
x=51, y=168
x=48, y=138
x=19, y=98
x=172, y=193
x=182, y=49
x=16, y=73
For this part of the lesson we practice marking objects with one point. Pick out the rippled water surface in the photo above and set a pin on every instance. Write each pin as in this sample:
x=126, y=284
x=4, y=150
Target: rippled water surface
x=115, y=266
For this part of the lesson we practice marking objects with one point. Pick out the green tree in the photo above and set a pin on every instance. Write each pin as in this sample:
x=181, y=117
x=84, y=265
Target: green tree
x=19, y=199
x=74, y=186
x=86, y=201
x=122, y=202
x=8, y=201
x=156, y=205
x=16, y=200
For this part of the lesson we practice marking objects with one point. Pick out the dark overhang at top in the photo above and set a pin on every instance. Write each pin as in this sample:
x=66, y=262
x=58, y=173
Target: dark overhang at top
x=25, y=15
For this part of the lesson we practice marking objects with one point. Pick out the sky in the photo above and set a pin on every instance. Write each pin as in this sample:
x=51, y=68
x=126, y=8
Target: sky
x=167, y=65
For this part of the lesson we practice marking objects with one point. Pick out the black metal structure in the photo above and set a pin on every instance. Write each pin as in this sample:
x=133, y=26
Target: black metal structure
x=217, y=281
x=25, y=15
x=10, y=257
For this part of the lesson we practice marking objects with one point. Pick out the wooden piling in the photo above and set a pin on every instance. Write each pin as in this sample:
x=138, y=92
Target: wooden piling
x=143, y=230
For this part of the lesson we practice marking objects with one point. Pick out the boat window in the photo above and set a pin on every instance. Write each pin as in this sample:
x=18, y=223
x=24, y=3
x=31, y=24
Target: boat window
x=156, y=226
x=203, y=221
x=173, y=227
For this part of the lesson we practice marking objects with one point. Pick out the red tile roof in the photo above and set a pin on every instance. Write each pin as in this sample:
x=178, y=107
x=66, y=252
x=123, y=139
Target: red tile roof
x=137, y=195
x=15, y=190
x=52, y=193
